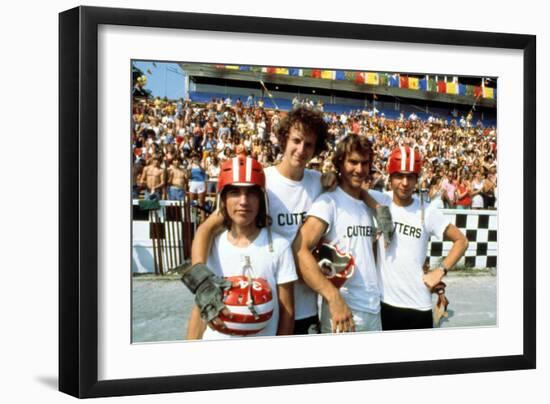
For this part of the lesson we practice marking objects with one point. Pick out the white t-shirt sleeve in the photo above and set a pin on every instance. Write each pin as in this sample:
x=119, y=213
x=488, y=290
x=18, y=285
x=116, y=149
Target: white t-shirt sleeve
x=380, y=197
x=436, y=222
x=286, y=269
x=323, y=208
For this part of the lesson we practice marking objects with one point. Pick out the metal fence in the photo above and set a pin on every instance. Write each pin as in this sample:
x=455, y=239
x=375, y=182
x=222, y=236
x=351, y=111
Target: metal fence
x=162, y=237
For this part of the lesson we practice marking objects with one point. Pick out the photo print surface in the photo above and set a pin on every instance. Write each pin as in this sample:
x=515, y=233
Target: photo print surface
x=317, y=200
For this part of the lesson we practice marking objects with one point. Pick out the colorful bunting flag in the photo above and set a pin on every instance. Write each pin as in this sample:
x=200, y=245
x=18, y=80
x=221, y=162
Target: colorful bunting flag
x=394, y=80
x=413, y=83
x=372, y=78
x=350, y=76
x=282, y=70
x=404, y=82
x=441, y=87
x=327, y=74
x=423, y=85
x=340, y=75
x=477, y=91
x=452, y=88
x=488, y=92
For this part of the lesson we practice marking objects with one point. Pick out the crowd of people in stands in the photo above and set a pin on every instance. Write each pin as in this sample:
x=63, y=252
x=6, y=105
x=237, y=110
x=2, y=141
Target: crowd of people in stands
x=178, y=147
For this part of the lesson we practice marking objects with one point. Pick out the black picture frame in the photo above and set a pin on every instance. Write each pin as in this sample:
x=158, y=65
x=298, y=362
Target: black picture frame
x=78, y=195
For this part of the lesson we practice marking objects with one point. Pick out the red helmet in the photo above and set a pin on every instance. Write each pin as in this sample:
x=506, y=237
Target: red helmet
x=250, y=302
x=404, y=159
x=241, y=171
x=336, y=265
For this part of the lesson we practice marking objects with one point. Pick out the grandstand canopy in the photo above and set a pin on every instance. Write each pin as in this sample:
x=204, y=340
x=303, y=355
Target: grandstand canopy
x=211, y=74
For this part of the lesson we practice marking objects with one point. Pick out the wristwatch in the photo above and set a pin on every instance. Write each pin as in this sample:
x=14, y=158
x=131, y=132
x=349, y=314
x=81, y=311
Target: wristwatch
x=444, y=268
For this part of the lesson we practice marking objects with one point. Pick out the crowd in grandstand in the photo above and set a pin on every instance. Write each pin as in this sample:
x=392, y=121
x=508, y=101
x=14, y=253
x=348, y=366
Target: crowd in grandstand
x=178, y=147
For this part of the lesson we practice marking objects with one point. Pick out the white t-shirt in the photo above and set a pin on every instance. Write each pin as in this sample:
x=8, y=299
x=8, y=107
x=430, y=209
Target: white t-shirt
x=401, y=264
x=276, y=268
x=477, y=200
x=289, y=202
x=351, y=228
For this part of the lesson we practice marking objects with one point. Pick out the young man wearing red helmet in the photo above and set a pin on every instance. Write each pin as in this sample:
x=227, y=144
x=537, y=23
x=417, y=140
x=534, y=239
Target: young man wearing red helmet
x=407, y=291
x=291, y=190
x=259, y=298
x=341, y=218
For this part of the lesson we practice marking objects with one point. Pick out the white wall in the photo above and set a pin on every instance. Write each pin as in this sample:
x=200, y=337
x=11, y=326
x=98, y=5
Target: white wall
x=28, y=291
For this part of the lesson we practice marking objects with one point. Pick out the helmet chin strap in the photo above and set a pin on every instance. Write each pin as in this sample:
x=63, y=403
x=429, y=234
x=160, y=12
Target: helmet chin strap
x=247, y=269
x=268, y=225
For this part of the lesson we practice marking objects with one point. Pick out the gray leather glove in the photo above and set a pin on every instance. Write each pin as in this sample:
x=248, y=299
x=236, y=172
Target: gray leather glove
x=207, y=288
x=384, y=222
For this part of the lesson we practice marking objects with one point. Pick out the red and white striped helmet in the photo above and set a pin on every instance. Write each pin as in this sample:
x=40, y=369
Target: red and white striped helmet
x=250, y=302
x=336, y=265
x=404, y=159
x=241, y=171
x=244, y=171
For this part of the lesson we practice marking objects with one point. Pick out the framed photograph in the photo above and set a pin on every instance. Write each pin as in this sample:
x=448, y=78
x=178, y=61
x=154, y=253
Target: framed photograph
x=153, y=103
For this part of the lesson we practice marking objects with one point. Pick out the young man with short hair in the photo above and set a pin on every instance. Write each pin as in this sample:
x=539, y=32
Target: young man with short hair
x=177, y=181
x=251, y=258
x=341, y=219
x=407, y=291
x=153, y=179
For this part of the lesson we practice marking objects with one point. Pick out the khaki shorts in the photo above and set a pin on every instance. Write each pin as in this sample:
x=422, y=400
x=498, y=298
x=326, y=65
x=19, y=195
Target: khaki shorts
x=364, y=321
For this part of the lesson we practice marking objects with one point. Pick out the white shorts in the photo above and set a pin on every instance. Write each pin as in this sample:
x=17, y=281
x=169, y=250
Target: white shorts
x=364, y=321
x=197, y=187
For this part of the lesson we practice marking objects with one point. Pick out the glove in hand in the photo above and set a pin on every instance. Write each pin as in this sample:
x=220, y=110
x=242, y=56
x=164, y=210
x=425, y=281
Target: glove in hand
x=385, y=223
x=208, y=289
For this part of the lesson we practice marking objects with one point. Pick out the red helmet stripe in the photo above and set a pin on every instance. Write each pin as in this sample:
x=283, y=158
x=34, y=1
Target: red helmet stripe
x=247, y=318
x=262, y=308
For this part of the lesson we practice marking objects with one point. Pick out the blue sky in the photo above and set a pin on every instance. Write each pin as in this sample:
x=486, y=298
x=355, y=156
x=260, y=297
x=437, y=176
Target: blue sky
x=166, y=79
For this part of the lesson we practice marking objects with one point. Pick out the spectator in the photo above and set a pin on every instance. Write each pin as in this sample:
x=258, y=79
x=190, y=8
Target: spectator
x=463, y=191
x=213, y=172
x=153, y=180
x=476, y=189
x=197, y=183
x=177, y=181
x=182, y=128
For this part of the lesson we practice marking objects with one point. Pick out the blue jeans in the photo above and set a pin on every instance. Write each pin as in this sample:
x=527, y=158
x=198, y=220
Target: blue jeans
x=135, y=191
x=153, y=196
x=175, y=193
x=211, y=186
